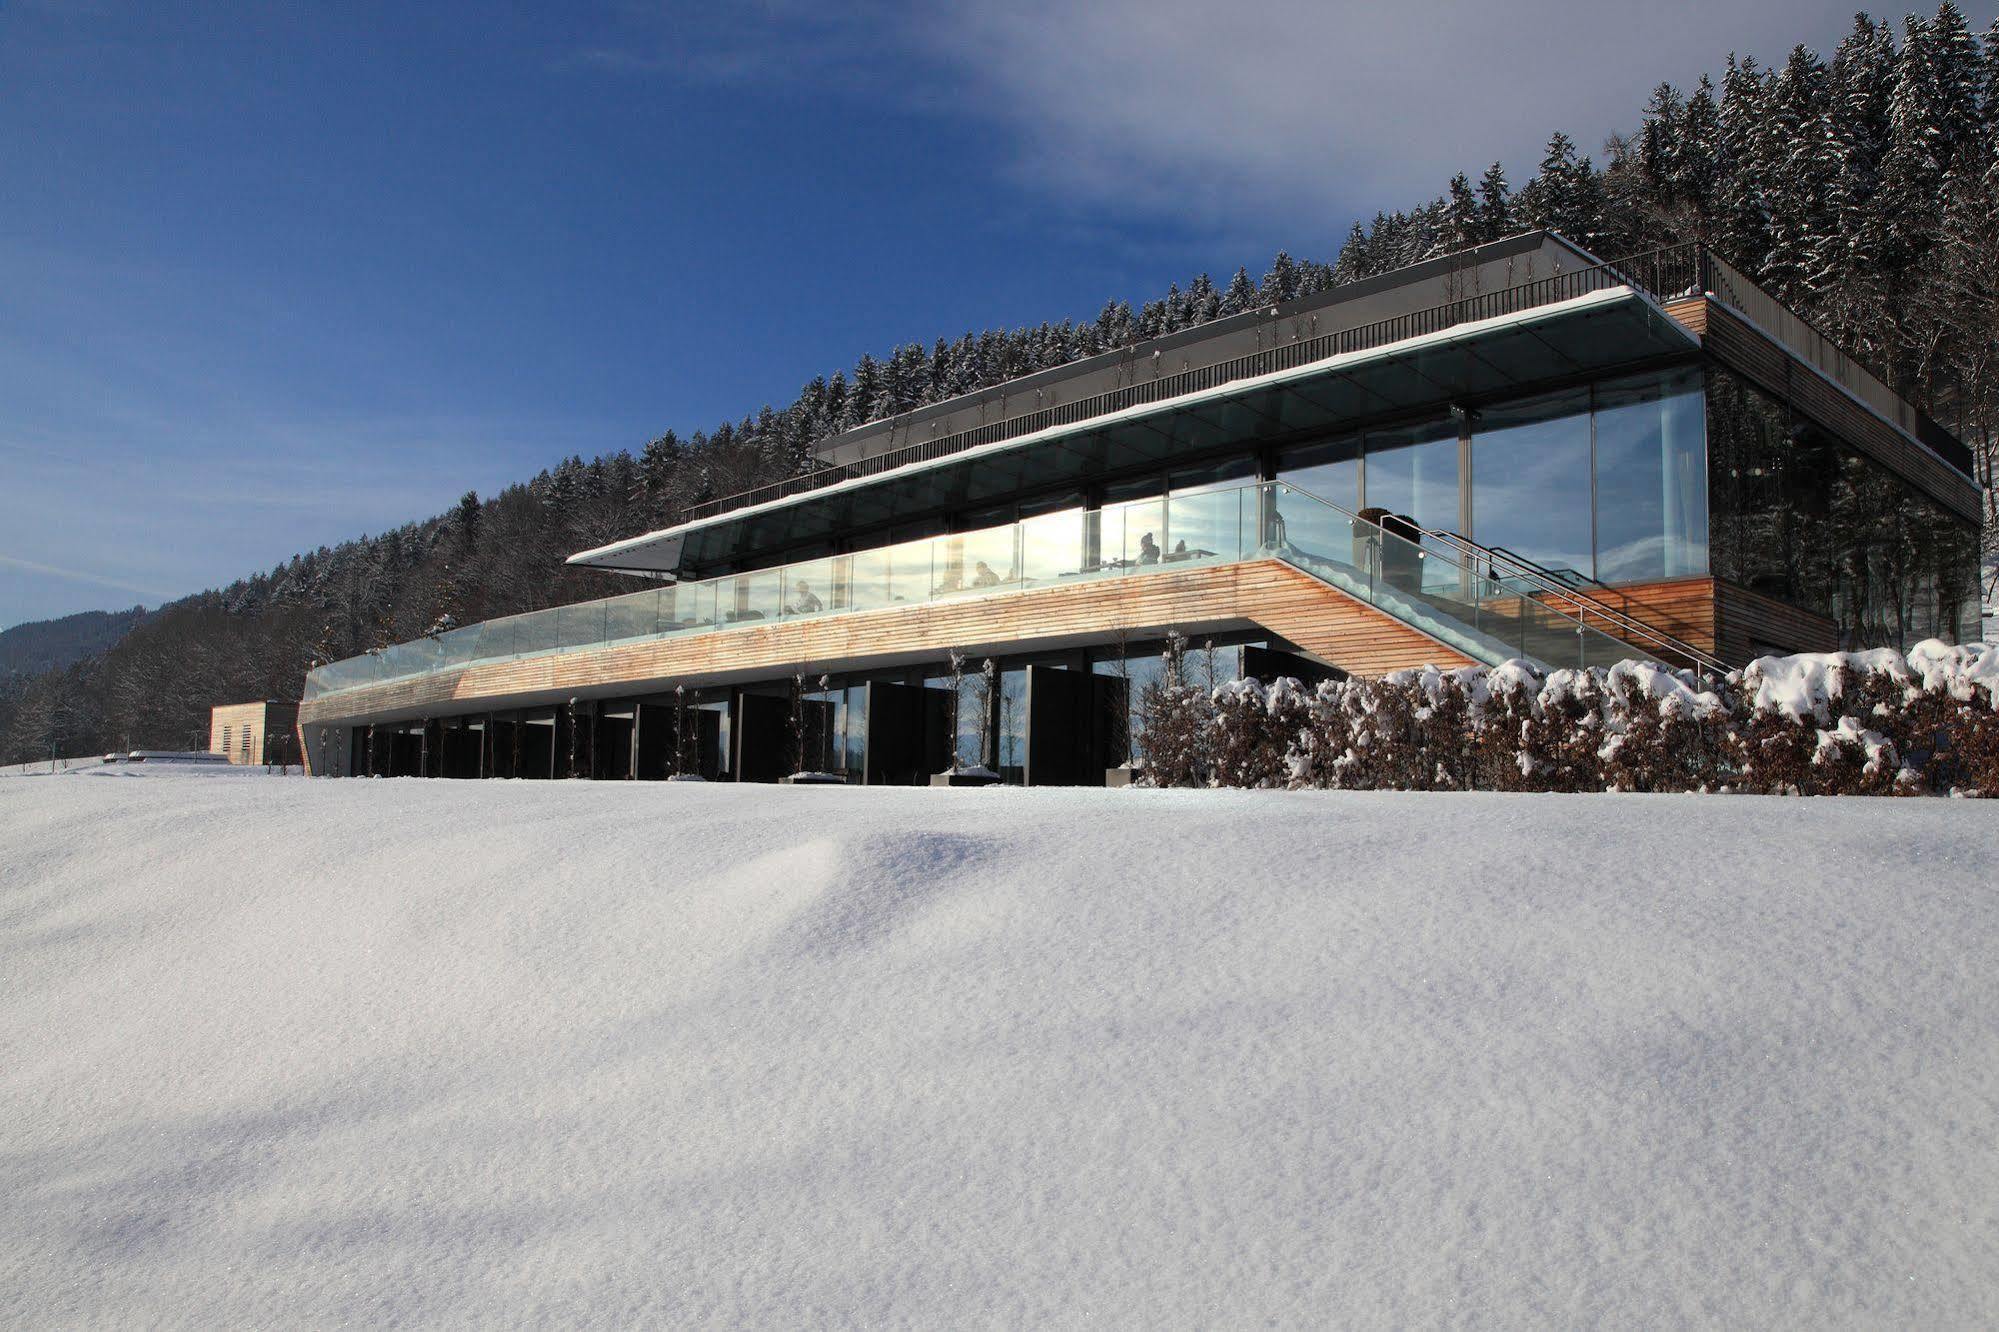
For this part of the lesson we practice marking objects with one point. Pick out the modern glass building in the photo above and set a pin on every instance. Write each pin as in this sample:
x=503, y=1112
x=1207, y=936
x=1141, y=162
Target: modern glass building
x=1518, y=451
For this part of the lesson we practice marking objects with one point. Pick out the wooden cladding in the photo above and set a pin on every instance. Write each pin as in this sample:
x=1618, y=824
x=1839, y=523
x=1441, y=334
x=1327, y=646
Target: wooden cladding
x=1753, y=625
x=1690, y=313
x=1264, y=594
x=1681, y=607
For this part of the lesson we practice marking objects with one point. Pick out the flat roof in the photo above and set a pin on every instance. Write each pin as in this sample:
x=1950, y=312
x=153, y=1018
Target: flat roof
x=1595, y=330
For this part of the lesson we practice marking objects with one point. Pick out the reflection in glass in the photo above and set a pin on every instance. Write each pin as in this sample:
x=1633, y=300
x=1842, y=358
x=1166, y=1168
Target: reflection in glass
x=1139, y=671
x=1329, y=469
x=813, y=587
x=1051, y=547
x=1203, y=527
x=1802, y=517
x=1531, y=480
x=1132, y=532
x=1651, y=479
x=1414, y=472
x=1013, y=725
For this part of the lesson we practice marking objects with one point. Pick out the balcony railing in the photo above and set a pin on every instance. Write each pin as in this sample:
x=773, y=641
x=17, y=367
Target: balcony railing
x=1442, y=591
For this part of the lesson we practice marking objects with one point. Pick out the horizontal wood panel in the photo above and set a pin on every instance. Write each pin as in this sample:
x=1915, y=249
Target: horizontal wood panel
x=1681, y=607
x=1690, y=313
x=1753, y=624
x=1262, y=593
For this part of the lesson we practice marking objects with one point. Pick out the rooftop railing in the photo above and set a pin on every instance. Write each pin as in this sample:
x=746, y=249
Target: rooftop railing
x=1470, y=604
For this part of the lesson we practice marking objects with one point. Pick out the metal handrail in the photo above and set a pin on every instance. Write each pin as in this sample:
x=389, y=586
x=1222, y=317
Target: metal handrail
x=1547, y=581
x=1657, y=273
x=1535, y=574
x=1561, y=575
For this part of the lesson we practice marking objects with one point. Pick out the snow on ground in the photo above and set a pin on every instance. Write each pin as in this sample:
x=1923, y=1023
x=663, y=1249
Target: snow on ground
x=302, y=1052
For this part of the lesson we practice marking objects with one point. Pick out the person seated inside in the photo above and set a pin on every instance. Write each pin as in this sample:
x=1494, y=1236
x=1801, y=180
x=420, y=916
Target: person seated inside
x=983, y=576
x=1180, y=549
x=1148, y=550
x=804, y=601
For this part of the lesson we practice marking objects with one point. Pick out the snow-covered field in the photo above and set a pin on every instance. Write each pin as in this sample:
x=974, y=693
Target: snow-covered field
x=292, y=1052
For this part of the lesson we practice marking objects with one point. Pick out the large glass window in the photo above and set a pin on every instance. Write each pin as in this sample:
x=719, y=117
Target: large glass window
x=1651, y=479
x=1329, y=469
x=1138, y=670
x=973, y=701
x=1052, y=546
x=1413, y=471
x=1013, y=724
x=1531, y=480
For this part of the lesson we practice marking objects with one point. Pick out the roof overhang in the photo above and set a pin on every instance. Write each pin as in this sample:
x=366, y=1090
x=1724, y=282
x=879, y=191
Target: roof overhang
x=1595, y=332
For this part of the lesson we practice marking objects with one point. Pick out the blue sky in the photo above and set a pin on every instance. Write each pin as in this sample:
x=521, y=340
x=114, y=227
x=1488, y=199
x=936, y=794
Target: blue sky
x=276, y=275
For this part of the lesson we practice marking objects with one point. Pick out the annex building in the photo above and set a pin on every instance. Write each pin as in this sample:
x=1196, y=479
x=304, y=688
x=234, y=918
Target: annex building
x=1517, y=451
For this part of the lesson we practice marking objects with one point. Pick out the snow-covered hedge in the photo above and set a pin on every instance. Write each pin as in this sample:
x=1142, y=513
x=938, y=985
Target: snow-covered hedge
x=1846, y=723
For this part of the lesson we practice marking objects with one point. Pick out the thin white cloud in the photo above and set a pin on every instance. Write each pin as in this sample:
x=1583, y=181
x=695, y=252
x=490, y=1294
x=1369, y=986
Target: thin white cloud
x=81, y=576
x=1209, y=110
x=1203, y=114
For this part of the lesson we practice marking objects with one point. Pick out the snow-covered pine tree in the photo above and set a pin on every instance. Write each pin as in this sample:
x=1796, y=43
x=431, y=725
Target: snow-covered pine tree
x=1495, y=204
x=1463, y=222
x=1240, y=296
x=1802, y=221
x=1745, y=169
x=1281, y=283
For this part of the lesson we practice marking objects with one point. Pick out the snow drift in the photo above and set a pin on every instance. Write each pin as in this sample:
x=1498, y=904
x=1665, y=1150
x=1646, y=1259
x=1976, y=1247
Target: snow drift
x=277, y=1052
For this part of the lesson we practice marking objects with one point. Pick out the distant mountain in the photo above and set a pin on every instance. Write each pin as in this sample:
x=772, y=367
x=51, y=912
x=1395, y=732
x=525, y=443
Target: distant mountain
x=47, y=645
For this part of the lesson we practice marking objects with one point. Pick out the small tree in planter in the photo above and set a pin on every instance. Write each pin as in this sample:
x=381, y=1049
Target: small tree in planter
x=983, y=693
x=1117, y=721
x=820, y=772
x=1175, y=744
x=686, y=747
x=961, y=773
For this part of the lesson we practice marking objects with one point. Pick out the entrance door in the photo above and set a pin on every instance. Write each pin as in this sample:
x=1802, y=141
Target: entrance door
x=908, y=734
x=1071, y=726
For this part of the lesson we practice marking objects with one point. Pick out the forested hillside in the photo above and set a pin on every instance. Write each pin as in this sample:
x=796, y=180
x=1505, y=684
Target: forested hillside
x=45, y=645
x=1862, y=188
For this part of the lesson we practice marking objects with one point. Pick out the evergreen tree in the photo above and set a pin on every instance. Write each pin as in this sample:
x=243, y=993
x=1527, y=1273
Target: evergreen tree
x=1463, y=222
x=1745, y=169
x=1240, y=296
x=1801, y=216
x=1282, y=282
x=1495, y=204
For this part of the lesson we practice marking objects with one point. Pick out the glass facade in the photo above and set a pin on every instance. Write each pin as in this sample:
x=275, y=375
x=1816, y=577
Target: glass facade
x=1803, y=518
x=1633, y=479
x=1414, y=471
x=1606, y=482
x=1531, y=481
x=1651, y=479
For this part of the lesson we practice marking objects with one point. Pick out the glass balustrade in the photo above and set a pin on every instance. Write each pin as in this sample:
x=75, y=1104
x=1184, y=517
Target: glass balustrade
x=1394, y=567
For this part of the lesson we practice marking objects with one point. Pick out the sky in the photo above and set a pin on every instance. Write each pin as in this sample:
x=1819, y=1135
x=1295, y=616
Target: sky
x=277, y=275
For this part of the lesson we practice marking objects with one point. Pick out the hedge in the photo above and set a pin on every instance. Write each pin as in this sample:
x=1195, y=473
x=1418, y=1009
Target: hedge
x=1849, y=723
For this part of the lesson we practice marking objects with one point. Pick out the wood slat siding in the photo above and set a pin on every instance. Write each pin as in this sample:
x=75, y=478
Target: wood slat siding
x=1682, y=607
x=1752, y=624
x=1261, y=593
x=1740, y=347
x=1690, y=313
